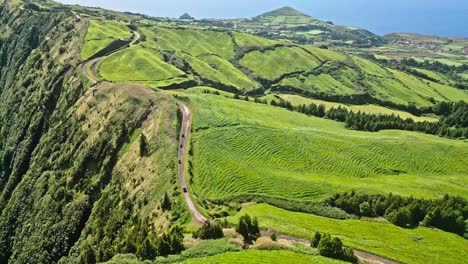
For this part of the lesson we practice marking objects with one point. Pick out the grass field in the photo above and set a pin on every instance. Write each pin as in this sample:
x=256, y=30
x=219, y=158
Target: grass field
x=139, y=65
x=101, y=33
x=245, y=148
x=260, y=257
x=274, y=63
x=195, y=42
x=220, y=70
x=369, y=109
x=420, y=245
x=246, y=40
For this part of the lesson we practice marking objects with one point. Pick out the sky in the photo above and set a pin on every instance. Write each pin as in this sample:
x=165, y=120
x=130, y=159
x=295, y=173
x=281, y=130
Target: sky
x=434, y=17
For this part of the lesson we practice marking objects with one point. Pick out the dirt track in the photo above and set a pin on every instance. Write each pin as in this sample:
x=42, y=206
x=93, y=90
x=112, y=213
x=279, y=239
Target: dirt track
x=184, y=135
x=362, y=256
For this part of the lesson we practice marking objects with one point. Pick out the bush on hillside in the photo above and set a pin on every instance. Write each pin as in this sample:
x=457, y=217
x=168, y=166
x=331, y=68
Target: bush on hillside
x=209, y=231
x=333, y=248
x=248, y=228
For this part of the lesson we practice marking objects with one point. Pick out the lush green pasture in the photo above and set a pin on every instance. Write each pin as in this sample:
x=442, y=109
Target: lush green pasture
x=195, y=42
x=101, y=33
x=246, y=40
x=369, y=109
x=420, y=245
x=245, y=148
x=260, y=257
x=273, y=64
x=326, y=55
x=219, y=70
x=139, y=65
x=323, y=83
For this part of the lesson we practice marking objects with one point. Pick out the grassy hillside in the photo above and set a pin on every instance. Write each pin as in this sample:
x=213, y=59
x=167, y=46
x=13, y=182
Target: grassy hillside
x=73, y=185
x=101, y=33
x=242, y=63
x=420, y=245
x=265, y=149
x=139, y=65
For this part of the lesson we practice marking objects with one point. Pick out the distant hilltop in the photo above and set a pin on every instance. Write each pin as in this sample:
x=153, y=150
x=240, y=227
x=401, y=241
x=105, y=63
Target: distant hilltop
x=186, y=16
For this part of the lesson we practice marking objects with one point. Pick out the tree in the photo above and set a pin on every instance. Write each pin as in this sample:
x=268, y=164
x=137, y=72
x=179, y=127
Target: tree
x=166, y=203
x=333, y=248
x=210, y=231
x=143, y=145
x=274, y=236
x=146, y=250
x=365, y=209
x=316, y=240
x=248, y=228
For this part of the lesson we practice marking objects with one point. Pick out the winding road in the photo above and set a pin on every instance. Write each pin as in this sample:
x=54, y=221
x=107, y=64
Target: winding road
x=93, y=63
x=183, y=142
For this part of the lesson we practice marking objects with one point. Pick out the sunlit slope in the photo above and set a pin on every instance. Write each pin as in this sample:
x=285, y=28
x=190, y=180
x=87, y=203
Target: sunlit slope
x=245, y=148
x=241, y=63
x=101, y=33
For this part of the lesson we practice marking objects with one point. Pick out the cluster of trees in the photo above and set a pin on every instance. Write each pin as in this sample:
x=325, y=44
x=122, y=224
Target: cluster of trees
x=332, y=248
x=454, y=123
x=434, y=66
x=167, y=244
x=209, y=231
x=448, y=214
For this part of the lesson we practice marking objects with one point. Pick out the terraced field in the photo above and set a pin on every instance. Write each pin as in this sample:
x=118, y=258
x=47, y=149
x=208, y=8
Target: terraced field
x=420, y=245
x=101, y=33
x=257, y=256
x=245, y=148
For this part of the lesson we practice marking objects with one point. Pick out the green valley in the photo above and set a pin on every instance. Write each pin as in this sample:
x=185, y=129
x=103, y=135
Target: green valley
x=127, y=138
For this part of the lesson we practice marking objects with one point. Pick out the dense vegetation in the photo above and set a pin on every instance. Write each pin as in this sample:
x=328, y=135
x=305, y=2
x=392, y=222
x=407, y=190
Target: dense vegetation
x=73, y=187
x=448, y=213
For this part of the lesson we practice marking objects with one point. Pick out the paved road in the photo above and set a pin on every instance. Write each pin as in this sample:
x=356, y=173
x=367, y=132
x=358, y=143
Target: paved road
x=183, y=143
x=92, y=64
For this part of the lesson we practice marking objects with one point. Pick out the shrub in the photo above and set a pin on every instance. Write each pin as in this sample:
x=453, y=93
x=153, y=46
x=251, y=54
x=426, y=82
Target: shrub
x=316, y=240
x=210, y=231
x=248, y=228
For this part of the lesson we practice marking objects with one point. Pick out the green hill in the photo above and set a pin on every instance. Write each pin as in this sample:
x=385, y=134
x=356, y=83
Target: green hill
x=89, y=170
x=289, y=23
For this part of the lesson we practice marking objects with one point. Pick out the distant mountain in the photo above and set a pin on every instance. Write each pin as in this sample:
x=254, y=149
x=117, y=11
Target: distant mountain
x=284, y=11
x=291, y=24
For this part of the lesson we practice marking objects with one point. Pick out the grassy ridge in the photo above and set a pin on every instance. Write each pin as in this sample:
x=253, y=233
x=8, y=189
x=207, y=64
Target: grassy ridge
x=420, y=245
x=137, y=64
x=273, y=64
x=195, y=42
x=246, y=40
x=101, y=33
x=219, y=70
x=245, y=148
